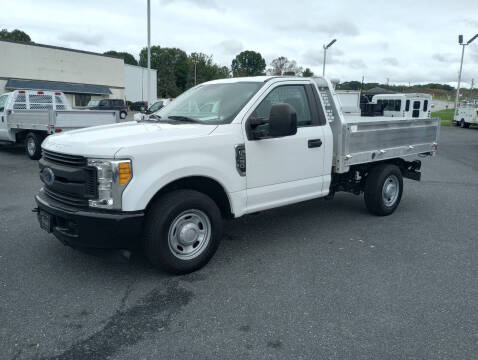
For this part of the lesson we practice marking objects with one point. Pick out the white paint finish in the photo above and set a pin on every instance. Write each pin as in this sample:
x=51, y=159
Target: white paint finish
x=271, y=196
x=466, y=112
x=273, y=163
x=136, y=83
x=24, y=61
x=177, y=151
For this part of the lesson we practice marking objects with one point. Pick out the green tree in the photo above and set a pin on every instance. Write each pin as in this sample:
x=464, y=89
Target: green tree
x=172, y=66
x=307, y=73
x=248, y=63
x=284, y=66
x=15, y=35
x=127, y=57
x=202, y=67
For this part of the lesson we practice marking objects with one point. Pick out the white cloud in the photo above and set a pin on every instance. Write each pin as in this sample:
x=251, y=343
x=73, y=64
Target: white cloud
x=372, y=40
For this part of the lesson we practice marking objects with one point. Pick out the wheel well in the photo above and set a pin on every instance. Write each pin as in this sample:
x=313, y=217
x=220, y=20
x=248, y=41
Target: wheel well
x=204, y=185
x=354, y=180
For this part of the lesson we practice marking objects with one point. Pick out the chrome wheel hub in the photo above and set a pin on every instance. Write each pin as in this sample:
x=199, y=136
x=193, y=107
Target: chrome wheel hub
x=390, y=190
x=31, y=146
x=189, y=234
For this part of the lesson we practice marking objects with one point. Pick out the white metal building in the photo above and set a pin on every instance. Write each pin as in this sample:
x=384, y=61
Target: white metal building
x=81, y=75
x=136, y=80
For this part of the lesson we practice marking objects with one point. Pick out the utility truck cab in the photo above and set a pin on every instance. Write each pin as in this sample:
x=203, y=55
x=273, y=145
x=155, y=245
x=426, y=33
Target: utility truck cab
x=411, y=105
x=223, y=149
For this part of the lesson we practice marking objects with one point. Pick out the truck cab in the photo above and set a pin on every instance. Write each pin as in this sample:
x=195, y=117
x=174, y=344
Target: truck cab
x=222, y=149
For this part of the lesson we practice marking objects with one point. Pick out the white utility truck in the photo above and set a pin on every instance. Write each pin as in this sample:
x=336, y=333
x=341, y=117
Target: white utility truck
x=466, y=114
x=166, y=182
x=414, y=105
x=30, y=116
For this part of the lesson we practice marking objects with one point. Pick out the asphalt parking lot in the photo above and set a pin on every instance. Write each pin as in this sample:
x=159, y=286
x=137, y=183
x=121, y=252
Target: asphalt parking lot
x=317, y=280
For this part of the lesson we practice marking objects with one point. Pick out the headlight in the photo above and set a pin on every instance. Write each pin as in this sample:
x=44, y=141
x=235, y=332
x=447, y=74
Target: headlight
x=113, y=176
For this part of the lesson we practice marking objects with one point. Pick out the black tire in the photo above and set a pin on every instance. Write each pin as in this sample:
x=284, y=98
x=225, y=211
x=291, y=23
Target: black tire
x=123, y=115
x=33, y=145
x=374, y=196
x=160, y=218
x=464, y=124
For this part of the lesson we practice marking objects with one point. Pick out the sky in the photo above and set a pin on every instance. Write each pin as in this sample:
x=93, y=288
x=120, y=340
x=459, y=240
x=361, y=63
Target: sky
x=399, y=42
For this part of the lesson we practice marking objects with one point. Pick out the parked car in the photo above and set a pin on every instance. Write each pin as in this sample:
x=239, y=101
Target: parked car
x=228, y=148
x=137, y=105
x=112, y=104
x=158, y=105
x=92, y=103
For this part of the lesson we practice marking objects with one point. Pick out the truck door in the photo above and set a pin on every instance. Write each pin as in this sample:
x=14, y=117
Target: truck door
x=291, y=168
x=3, y=118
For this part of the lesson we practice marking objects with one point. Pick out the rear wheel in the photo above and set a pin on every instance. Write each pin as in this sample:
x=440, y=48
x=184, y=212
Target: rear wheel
x=183, y=230
x=383, y=189
x=33, y=145
x=464, y=124
x=123, y=115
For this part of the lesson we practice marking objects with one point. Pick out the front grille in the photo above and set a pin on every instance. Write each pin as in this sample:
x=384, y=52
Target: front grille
x=66, y=198
x=75, y=183
x=64, y=159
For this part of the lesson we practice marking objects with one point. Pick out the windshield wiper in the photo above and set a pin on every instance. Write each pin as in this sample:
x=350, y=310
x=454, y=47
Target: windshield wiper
x=183, y=118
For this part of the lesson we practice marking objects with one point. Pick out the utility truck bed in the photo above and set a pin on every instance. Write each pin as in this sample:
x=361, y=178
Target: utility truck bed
x=363, y=139
x=359, y=140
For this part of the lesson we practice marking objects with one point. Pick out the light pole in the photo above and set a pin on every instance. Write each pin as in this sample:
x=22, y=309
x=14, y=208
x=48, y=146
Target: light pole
x=325, y=54
x=195, y=71
x=148, y=93
x=460, y=41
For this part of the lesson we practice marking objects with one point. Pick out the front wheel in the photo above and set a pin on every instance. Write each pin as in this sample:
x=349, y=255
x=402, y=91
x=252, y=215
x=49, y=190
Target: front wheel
x=383, y=189
x=33, y=145
x=183, y=230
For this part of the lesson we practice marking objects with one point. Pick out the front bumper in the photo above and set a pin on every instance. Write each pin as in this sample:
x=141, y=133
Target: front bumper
x=91, y=229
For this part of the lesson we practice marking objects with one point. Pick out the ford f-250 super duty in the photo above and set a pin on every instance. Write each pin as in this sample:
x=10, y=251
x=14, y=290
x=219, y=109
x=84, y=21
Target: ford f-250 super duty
x=223, y=149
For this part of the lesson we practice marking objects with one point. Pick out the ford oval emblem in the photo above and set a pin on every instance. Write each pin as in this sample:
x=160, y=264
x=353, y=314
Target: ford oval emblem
x=48, y=176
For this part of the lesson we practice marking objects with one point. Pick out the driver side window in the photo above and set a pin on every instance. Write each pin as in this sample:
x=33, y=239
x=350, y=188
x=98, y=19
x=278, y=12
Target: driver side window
x=294, y=95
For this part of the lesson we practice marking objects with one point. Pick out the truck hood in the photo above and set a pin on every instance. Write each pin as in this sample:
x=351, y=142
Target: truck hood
x=105, y=141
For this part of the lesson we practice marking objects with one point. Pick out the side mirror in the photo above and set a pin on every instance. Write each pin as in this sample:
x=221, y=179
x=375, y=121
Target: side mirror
x=282, y=120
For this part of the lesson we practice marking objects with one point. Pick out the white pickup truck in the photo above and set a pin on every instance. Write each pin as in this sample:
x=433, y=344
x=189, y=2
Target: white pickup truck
x=166, y=182
x=31, y=115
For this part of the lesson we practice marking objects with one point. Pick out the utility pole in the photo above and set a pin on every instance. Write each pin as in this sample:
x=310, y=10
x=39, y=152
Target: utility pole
x=460, y=41
x=471, y=89
x=325, y=54
x=149, y=54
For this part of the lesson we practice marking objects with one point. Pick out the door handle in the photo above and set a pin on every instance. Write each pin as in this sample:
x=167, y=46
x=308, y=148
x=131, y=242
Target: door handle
x=314, y=143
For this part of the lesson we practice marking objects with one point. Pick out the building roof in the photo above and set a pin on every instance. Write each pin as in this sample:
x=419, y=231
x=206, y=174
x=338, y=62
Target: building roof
x=17, y=84
x=60, y=48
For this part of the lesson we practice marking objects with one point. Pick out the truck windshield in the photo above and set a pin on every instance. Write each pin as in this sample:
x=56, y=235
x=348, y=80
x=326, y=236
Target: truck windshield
x=210, y=103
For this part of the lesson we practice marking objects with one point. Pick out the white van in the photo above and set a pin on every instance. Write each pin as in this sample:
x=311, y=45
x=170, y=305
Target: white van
x=412, y=105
